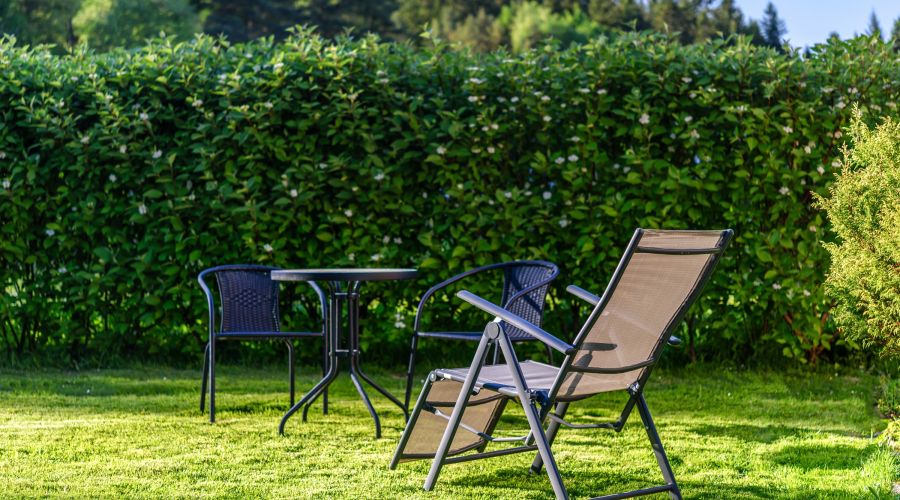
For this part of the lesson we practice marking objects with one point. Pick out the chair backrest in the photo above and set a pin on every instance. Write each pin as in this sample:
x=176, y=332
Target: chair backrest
x=519, y=276
x=661, y=274
x=248, y=296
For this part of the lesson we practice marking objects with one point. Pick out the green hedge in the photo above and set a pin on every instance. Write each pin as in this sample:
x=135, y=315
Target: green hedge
x=124, y=174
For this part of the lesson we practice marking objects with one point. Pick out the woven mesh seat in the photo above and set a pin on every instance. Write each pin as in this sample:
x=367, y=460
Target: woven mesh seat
x=660, y=275
x=523, y=292
x=248, y=310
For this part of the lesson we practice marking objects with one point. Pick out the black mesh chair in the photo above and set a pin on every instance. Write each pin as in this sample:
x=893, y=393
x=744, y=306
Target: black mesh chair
x=524, y=288
x=248, y=310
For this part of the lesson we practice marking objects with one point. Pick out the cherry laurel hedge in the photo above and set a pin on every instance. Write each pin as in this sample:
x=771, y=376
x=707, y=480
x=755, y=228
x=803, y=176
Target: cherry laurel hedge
x=125, y=174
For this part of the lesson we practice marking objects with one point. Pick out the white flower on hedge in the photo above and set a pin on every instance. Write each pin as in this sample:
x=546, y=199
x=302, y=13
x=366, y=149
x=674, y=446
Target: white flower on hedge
x=807, y=149
x=351, y=256
x=840, y=105
x=440, y=150
x=197, y=103
x=6, y=184
x=812, y=229
x=601, y=91
x=547, y=195
x=277, y=66
x=560, y=160
x=787, y=129
x=695, y=134
x=836, y=163
x=776, y=286
x=399, y=324
x=821, y=170
x=144, y=116
x=547, y=118
x=545, y=98
x=348, y=213
x=386, y=239
x=476, y=81
x=113, y=178
x=741, y=108
x=142, y=209
x=644, y=119
x=514, y=99
x=398, y=241
x=688, y=119
x=62, y=270
x=575, y=138
x=383, y=81
x=156, y=154
x=475, y=150
x=268, y=105
x=537, y=93
x=379, y=176
x=50, y=232
x=494, y=126
x=123, y=149
x=85, y=139
x=376, y=257
x=294, y=193
x=573, y=158
x=686, y=79
x=626, y=170
x=484, y=128
x=508, y=194
x=584, y=90
x=838, y=134
x=784, y=190
x=491, y=149
x=267, y=247
x=380, y=73
x=806, y=293
x=563, y=222
x=2, y=155
x=473, y=98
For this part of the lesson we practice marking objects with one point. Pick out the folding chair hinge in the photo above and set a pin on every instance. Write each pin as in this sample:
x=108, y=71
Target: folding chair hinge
x=634, y=388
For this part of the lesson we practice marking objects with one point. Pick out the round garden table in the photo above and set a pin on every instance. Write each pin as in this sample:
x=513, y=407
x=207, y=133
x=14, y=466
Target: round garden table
x=342, y=287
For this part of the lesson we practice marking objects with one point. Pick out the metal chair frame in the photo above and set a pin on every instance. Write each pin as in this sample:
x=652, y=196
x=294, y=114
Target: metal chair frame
x=538, y=403
x=209, y=359
x=506, y=301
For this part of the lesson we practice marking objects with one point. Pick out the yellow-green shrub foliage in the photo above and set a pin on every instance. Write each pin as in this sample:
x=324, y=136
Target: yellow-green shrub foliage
x=124, y=174
x=864, y=211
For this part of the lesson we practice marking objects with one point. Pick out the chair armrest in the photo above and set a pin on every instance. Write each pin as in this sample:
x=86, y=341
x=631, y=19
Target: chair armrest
x=583, y=294
x=444, y=284
x=209, y=304
x=517, y=321
x=592, y=299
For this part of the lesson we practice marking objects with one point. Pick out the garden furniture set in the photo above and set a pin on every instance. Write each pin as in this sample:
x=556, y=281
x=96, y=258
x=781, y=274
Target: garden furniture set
x=660, y=275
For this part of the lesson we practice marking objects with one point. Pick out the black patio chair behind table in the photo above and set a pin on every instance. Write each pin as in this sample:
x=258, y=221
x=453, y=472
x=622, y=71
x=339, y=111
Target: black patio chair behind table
x=248, y=311
x=657, y=280
x=524, y=290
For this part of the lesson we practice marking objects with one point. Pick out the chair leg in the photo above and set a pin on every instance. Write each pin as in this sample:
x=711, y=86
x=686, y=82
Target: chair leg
x=212, y=380
x=205, y=377
x=465, y=392
x=549, y=355
x=533, y=416
x=291, y=368
x=496, y=358
x=411, y=423
x=324, y=373
x=410, y=370
x=658, y=450
x=552, y=429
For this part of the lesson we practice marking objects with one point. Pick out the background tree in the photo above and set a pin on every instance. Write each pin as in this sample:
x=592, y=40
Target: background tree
x=105, y=24
x=773, y=28
x=874, y=26
x=240, y=20
x=36, y=22
x=895, y=35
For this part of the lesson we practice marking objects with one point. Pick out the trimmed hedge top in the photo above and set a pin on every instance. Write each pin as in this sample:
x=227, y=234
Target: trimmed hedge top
x=124, y=174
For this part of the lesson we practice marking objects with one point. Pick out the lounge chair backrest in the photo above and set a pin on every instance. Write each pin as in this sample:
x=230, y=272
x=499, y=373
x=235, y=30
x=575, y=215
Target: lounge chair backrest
x=657, y=280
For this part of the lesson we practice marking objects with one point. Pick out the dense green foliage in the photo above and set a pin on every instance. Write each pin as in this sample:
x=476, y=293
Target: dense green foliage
x=739, y=435
x=125, y=174
x=864, y=211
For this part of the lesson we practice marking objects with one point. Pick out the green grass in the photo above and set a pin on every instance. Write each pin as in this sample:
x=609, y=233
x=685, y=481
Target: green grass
x=138, y=433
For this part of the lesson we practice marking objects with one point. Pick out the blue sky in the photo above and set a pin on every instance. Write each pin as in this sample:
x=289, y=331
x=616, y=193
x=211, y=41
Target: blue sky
x=810, y=21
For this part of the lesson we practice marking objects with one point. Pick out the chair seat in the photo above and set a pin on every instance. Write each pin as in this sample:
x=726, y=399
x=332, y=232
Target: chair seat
x=538, y=376
x=257, y=335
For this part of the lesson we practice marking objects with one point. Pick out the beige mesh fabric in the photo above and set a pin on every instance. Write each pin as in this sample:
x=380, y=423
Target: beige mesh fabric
x=481, y=413
x=651, y=292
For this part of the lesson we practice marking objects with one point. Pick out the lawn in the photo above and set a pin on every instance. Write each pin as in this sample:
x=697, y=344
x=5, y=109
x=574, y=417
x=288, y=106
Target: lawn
x=138, y=433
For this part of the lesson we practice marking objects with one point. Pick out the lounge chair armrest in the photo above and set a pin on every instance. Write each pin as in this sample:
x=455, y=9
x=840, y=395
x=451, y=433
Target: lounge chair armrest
x=517, y=321
x=583, y=294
